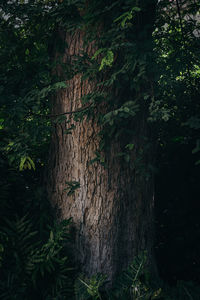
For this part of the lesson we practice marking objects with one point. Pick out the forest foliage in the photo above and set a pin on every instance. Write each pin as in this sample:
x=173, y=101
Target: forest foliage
x=142, y=44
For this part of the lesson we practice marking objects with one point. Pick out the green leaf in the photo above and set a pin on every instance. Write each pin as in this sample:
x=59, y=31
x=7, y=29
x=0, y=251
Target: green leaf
x=197, y=148
x=107, y=60
x=129, y=146
x=71, y=187
x=127, y=157
x=51, y=236
x=127, y=16
x=99, y=51
x=31, y=162
x=126, y=109
x=22, y=162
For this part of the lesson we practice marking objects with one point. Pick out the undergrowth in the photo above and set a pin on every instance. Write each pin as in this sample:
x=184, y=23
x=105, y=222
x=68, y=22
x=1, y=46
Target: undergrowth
x=36, y=260
x=134, y=283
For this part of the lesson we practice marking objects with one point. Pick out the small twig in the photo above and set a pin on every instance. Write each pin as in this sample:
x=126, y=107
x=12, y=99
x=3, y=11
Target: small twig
x=69, y=112
x=58, y=115
x=186, y=291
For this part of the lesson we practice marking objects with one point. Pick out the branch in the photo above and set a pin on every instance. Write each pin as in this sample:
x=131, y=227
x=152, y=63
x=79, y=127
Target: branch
x=58, y=115
x=69, y=112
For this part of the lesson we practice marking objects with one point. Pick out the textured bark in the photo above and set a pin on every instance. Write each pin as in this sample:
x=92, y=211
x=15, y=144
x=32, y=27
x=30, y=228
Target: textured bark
x=112, y=211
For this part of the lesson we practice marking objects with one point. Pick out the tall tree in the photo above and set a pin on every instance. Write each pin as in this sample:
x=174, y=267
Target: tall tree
x=103, y=140
x=106, y=187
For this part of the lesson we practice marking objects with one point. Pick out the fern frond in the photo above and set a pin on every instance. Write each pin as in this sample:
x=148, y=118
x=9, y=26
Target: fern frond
x=88, y=288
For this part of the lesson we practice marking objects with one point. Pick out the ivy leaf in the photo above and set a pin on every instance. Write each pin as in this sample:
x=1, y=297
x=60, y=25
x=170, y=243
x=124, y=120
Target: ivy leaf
x=107, y=60
x=127, y=16
x=129, y=146
x=197, y=148
x=71, y=187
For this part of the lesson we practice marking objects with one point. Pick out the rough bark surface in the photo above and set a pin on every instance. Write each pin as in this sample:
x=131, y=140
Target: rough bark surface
x=112, y=210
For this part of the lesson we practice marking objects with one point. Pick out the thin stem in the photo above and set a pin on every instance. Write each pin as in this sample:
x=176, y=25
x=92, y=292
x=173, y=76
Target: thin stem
x=69, y=112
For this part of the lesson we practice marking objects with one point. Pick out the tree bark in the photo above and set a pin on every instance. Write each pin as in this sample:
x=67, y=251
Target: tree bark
x=112, y=210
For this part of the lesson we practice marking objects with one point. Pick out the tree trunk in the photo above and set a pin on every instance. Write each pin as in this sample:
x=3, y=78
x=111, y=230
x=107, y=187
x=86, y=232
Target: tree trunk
x=112, y=210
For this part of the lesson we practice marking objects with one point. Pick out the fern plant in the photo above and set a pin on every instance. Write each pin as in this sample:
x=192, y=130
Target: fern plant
x=89, y=288
x=34, y=249
x=133, y=284
x=31, y=268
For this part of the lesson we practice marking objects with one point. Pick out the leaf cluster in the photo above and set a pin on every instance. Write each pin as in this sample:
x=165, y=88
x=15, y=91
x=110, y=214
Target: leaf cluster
x=133, y=283
x=34, y=249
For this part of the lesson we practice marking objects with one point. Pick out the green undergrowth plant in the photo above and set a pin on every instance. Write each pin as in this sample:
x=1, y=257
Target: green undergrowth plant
x=32, y=268
x=35, y=259
x=135, y=283
x=89, y=288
